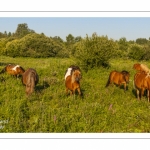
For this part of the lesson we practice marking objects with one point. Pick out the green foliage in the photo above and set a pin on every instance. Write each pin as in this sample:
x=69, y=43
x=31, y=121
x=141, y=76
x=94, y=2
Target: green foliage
x=35, y=45
x=123, y=48
x=141, y=41
x=136, y=52
x=89, y=52
x=147, y=52
x=94, y=51
x=70, y=39
x=22, y=30
x=3, y=42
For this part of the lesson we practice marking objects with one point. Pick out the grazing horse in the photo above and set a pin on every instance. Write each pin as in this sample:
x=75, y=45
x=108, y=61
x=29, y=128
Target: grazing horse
x=30, y=78
x=142, y=83
x=72, y=80
x=118, y=78
x=14, y=70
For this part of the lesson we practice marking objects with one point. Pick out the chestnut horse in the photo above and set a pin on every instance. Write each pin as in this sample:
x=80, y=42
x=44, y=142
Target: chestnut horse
x=14, y=70
x=142, y=83
x=118, y=78
x=72, y=80
x=30, y=78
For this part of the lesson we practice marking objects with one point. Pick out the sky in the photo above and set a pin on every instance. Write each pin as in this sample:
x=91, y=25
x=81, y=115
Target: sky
x=114, y=27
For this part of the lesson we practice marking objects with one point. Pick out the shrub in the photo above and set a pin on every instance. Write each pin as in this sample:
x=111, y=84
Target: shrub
x=94, y=51
x=147, y=52
x=136, y=52
x=35, y=45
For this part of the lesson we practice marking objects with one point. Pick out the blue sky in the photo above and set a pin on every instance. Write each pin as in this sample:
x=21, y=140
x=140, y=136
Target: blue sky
x=114, y=27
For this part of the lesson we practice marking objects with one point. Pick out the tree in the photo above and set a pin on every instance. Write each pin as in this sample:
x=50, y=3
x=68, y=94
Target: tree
x=78, y=38
x=23, y=30
x=123, y=44
x=57, y=38
x=70, y=39
x=141, y=41
x=9, y=34
x=1, y=35
x=94, y=51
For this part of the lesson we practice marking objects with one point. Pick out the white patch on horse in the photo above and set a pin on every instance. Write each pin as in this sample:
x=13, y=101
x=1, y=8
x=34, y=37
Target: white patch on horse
x=17, y=66
x=68, y=73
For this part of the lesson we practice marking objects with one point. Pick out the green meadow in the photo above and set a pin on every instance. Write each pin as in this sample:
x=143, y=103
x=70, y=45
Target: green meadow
x=49, y=110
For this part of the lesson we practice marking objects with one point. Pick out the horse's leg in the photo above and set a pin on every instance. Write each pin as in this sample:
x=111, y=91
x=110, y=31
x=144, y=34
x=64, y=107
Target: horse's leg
x=141, y=93
x=17, y=76
x=27, y=90
x=73, y=93
x=148, y=95
x=66, y=91
x=138, y=92
x=125, y=86
x=79, y=91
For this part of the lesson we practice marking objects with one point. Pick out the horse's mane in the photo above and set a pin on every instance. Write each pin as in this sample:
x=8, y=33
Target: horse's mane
x=145, y=68
x=124, y=72
x=22, y=68
x=74, y=68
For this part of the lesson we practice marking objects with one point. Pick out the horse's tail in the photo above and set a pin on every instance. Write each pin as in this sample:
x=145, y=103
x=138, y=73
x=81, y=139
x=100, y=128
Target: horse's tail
x=30, y=83
x=32, y=80
x=3, y=70
x=108, y=81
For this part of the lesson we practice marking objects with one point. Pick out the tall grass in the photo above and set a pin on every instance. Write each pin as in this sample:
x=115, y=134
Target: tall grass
x=50, y=110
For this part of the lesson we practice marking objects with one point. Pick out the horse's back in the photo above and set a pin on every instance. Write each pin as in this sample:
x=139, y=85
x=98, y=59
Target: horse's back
x=30, y=73
x=114, y=76
x=30, y=79
x=68, y=72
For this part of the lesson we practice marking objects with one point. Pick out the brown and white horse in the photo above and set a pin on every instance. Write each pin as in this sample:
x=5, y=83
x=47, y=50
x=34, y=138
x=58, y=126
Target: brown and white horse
x=72, y=80
x=14, y=70
x=30, y=78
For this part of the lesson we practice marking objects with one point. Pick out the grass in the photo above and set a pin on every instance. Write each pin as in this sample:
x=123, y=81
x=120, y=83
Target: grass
x=49, y=110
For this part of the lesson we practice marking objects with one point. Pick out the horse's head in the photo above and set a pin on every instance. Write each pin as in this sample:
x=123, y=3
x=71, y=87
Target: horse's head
x=137, y=67
x=126, y=76
x=76, y=74
x=20, y=70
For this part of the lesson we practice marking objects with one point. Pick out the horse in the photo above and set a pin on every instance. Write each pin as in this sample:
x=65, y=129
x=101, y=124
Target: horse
x=12, y=69
x=142, y=83
x=118, y=78
x=30, y=78
x=72, y=80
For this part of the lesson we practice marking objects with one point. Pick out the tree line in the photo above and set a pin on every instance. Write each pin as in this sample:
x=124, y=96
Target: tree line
x=93, y=51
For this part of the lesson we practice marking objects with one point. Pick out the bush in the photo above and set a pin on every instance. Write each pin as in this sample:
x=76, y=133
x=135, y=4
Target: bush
x=94, y=51
x=35, y=45
x=136, y=52
x=147, y=52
